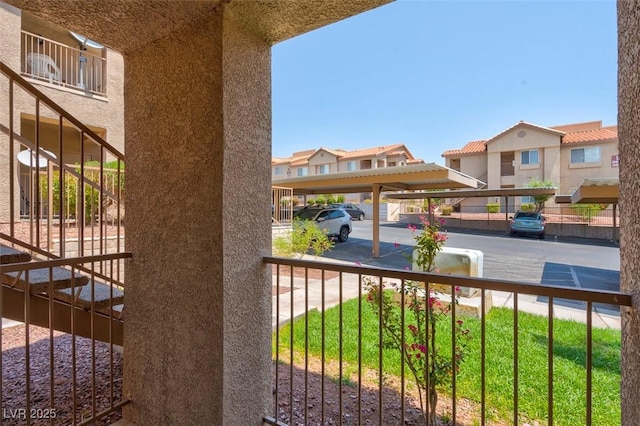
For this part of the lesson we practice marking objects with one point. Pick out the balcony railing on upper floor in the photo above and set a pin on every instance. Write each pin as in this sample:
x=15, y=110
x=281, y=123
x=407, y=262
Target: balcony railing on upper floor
x=58, y=64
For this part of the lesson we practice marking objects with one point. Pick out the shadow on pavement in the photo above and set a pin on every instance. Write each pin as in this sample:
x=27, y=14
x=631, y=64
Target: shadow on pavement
x=559, y=274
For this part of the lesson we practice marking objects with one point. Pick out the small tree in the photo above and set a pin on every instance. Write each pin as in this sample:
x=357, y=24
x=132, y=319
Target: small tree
x=540, y=200
x=431, y=365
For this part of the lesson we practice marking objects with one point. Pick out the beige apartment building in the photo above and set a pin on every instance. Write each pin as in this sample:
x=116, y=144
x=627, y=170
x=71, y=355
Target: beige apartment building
x=324, y=161
x=564, y=155
x=78, y=74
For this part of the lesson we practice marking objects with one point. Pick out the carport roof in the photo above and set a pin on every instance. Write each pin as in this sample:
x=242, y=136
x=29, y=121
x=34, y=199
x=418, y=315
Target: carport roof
x=469, y=193
x=594, y=191
x=402, y=178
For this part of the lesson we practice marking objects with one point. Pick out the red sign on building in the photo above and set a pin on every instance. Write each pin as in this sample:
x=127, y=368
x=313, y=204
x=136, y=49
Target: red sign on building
x=615, y=160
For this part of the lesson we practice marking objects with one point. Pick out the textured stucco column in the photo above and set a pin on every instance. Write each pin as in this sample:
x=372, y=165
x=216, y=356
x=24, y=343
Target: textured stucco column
x=629, y=145
x=198, y=315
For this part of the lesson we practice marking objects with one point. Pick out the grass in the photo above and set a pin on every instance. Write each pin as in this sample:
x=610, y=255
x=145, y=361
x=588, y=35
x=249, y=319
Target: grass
x=569, y=361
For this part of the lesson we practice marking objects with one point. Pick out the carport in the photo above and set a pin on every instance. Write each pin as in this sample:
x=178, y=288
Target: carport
x=416, y=177
x=596, y=191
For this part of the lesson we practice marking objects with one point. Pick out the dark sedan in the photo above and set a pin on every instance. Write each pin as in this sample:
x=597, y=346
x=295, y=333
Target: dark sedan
x=354, y=211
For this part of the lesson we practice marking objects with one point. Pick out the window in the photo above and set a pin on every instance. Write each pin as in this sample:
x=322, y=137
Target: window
x=351, y=166
x=586, y=155
x=336, y=214
x=323, y=169
x=391, y=164
x=529, y=157
x=528, y=200
x=277, y=170
x=302, y=171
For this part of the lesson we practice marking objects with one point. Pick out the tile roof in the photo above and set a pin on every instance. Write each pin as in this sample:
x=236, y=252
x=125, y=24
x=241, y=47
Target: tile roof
x=597, y=135
x=470, y=148
x=302, y=157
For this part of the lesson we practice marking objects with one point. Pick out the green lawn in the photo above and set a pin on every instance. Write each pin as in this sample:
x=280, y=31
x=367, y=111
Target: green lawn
x=569, y=361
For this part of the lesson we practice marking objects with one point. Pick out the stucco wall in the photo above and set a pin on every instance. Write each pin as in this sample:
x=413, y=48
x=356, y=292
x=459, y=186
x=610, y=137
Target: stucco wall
x=9, y=44
x=201, y=291
x=93, y=111
x=574, y=174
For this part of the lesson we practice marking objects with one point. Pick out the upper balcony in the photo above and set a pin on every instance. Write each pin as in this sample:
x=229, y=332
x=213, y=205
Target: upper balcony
x=59, y=58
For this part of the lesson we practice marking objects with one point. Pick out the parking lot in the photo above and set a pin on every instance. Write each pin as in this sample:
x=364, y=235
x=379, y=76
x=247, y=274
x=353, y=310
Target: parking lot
x=565, y=262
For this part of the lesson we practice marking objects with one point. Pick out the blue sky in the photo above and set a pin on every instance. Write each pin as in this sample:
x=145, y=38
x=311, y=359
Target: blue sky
x=436, y=74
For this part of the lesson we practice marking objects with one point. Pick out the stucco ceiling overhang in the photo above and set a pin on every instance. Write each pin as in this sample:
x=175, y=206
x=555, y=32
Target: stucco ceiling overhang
x=405, y=178
x=124, y=25
x=470, y=193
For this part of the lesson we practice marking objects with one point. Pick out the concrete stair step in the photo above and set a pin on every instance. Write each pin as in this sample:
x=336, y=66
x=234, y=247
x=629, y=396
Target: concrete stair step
x=104, y=296
x=39, y=279
x=117, y=311
x=11, y=255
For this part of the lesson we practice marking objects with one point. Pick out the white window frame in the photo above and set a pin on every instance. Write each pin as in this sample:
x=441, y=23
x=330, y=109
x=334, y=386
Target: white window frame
x=303, y=171
x=351, y=166
x=588, y=154
x=277, y=170
x=529, y=153
x=324, y=169
x=527, y=199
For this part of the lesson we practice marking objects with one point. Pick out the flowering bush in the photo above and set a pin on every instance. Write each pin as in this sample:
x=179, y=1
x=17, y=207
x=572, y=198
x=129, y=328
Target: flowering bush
x=409, y=317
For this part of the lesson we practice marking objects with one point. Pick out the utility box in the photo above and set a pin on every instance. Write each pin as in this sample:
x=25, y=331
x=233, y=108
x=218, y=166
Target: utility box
x=457, y=261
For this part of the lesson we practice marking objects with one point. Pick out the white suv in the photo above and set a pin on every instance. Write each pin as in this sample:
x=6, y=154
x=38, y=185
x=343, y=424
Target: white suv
x=335, y=221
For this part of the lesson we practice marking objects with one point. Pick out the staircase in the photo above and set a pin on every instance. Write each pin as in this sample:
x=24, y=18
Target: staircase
x=51, y=276
x=61, y=260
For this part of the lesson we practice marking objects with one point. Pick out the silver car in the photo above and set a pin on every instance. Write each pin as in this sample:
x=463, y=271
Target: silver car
x=531, y=223
x=336, y=222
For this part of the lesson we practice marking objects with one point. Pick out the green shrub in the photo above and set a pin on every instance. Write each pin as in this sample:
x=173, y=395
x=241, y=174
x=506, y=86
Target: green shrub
x=305, y=237
x=586, y=211
x=340, y=199
x=331, y=200
x=446, y=210
x=368, y=201
x=527, y=207
x=321, y=200
x=72, y=192
x=493, y=208
x=311, y=201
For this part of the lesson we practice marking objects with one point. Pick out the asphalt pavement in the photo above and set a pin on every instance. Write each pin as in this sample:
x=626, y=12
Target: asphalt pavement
x=565, y=262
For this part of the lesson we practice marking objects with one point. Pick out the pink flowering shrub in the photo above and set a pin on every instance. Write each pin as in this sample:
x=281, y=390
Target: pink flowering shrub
x=410, y=318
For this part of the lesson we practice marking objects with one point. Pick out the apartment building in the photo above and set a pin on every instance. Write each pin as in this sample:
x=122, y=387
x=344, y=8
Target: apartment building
x=324, y=161
x=78, y=74
x=565, y=155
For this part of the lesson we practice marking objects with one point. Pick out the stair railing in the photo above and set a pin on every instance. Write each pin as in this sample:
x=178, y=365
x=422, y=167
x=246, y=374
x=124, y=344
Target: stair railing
x=57, y=201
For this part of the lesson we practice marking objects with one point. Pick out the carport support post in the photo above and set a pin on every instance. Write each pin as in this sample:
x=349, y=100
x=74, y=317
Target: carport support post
x=376, y=220
x=506, y=211
x=615, y=222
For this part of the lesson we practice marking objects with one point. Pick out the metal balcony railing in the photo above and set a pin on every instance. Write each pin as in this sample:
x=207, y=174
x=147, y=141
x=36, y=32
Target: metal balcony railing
x=331, y=364
x=63, y=363
x=58, y=64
